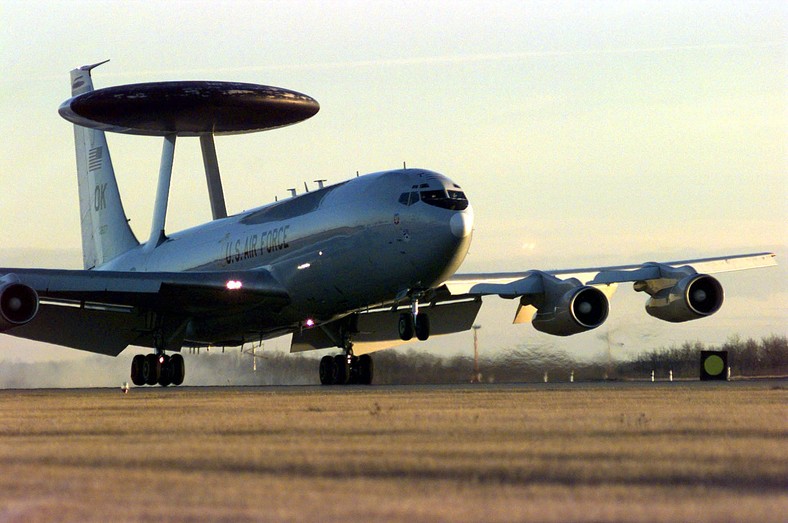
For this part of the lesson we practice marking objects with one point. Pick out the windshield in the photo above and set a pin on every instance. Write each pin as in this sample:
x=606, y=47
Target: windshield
x=454, y=200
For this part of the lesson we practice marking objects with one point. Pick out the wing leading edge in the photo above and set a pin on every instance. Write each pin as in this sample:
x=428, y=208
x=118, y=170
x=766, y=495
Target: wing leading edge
x=513, y=284
x=564, y=302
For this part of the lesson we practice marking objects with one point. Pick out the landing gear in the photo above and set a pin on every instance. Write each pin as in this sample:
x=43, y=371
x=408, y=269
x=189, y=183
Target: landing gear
x=414, y=322
x=422, y=326
x=150, y=369
x=136, y=370
x=177, y=369
x=405, y=326
x=346, y=369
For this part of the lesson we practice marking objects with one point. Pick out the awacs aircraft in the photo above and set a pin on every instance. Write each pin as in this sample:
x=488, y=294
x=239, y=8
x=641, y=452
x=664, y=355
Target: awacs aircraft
x=360, y=265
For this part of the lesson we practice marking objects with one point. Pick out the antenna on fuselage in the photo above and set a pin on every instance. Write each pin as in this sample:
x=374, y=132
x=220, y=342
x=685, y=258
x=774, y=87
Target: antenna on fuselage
x=292, y=192
x=320, y=183
x=306, y=188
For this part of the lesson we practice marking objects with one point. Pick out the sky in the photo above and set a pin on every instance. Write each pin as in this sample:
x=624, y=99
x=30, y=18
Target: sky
x=583, y=133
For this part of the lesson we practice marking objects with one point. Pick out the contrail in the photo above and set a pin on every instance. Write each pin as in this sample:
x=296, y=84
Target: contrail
x=421, y=60
x=450, y=59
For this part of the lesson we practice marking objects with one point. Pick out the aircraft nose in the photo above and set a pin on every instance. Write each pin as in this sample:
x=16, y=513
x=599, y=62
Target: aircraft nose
x=462, y=223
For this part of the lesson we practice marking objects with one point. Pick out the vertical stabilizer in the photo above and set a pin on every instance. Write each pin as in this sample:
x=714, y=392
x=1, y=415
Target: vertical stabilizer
x=105, y=228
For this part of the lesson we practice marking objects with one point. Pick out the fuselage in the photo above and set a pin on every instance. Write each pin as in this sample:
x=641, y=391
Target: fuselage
x=343, y=248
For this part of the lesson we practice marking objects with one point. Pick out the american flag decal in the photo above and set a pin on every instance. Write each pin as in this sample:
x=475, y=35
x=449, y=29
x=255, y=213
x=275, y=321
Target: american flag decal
x=94, y=158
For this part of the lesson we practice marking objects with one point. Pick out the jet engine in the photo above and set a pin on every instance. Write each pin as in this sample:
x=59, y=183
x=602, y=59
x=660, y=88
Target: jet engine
x=18, y=302
x=692, y=297
x=566, y=312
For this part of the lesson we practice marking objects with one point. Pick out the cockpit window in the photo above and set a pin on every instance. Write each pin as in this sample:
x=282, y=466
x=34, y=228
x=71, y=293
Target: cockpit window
x=454, y=200
x=408, y=198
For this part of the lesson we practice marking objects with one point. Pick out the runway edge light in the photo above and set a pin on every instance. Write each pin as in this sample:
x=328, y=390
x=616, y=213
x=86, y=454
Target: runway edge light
x=713, y=365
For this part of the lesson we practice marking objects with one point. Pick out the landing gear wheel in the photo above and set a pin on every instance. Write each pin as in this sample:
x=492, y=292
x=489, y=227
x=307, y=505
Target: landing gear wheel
x=151, y=369
x=364, y=369
x=343, y=370
x=177, y=369
x=422, y=326
x=328, y=370
x=405, y=326
x=165, y=377
x=136, y=370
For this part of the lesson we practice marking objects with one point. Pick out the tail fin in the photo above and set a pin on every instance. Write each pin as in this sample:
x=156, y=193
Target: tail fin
x=105, y=228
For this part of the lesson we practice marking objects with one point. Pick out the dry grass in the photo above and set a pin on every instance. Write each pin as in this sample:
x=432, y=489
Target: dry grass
x=645, y=452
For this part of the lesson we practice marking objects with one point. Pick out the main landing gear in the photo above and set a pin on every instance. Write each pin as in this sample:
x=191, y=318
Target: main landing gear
x=349, y=369
x=346, y=369
x=150, y=369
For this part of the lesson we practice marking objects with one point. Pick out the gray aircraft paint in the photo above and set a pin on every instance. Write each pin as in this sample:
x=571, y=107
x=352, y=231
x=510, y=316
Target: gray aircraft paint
x=346, y=247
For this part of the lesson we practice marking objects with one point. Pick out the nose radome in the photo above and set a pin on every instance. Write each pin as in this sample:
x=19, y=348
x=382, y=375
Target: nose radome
x=462, y=223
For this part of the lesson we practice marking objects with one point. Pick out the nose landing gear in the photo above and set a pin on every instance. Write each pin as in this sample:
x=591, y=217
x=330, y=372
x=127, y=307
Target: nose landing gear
x=414, y=322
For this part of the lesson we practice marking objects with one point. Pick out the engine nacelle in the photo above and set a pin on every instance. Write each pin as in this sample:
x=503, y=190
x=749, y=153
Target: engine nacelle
x=580, y=309
x=693, y=297
x=18, y=302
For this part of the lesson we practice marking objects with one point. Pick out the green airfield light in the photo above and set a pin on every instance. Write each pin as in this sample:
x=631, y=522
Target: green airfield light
x=713, y=365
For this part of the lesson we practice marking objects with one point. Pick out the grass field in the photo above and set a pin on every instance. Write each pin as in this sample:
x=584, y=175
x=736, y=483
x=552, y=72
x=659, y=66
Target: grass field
x=607, y=452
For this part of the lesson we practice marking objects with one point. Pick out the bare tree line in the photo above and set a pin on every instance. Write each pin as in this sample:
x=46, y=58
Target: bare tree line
x=747, y=358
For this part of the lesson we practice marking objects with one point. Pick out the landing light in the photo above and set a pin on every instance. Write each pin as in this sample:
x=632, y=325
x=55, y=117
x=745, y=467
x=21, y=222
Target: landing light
x=309, y=323
x=304, y=266
x=234, y=285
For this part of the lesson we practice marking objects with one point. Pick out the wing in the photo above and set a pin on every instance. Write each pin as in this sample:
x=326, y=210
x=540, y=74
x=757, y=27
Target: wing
x=377, y=329
x=104, y=311
x=564, y=302
x=558, y=302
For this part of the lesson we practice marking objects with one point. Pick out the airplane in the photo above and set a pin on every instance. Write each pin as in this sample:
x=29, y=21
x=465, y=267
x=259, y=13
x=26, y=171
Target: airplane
x=360, y=265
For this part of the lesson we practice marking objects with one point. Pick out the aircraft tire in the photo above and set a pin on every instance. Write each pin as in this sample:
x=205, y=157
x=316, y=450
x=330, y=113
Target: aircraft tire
x=365, y=370
x=405, y=326
x=151, y=369
x=136, y=370
x=343, y=370
x=422, y=326
x=328, y=370
x=165, y=377
x=177, y=369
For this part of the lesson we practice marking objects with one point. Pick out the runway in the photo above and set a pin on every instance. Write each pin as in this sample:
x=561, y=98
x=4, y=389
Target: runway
x=542, y=452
